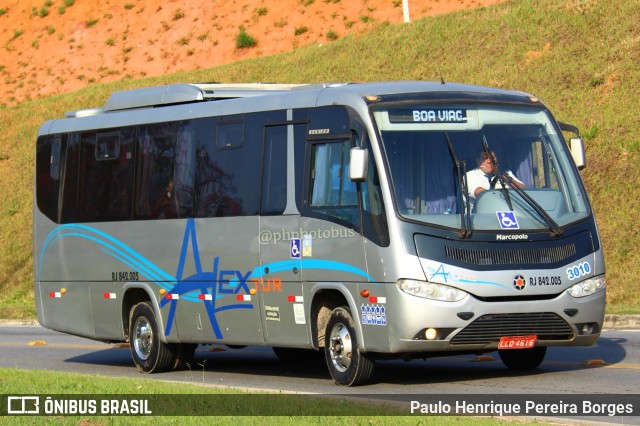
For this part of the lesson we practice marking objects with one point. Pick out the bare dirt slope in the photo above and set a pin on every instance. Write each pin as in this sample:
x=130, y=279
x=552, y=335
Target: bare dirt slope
x=57, y=46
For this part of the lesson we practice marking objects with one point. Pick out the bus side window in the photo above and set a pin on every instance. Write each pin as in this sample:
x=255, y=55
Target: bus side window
x=48, y=175
x=274, y=175
x=331, y=192
x=106, y=175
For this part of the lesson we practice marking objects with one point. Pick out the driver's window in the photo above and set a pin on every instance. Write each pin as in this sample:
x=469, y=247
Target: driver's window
x=331, y=192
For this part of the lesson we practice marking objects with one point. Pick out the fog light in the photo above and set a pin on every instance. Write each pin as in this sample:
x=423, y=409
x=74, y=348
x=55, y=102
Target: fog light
x=431, y=333
x=587, y=328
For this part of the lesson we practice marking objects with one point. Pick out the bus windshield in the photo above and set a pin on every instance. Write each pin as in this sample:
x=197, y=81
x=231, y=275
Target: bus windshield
x=479, y=167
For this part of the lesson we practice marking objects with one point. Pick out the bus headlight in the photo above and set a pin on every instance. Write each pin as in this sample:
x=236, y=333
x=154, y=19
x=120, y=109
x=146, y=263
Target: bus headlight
x=588, y=287
x=429, y=290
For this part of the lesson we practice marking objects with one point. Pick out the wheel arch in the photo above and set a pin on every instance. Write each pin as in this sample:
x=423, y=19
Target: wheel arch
x=325, y=298
x=138, y=293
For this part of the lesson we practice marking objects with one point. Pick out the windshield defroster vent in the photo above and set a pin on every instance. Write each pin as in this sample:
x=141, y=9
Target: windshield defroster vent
x=511, y=256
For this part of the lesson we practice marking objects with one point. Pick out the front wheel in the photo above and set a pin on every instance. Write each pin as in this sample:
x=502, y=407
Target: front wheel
x=149, y=354
x=347, y=365
x=523, y=359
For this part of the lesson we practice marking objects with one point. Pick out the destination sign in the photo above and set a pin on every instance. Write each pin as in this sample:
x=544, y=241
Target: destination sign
x=429, y=115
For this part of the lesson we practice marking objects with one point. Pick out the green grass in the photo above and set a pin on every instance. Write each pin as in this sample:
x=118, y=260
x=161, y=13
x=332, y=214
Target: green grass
x=580, y=57
x=203, y=398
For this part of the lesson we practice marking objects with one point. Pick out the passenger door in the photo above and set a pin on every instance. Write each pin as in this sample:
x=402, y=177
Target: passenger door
x=278, y=281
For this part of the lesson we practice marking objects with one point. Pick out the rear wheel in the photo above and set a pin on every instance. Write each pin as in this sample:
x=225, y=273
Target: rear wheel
x=184, y=354
x=523, y=359
x=347, y=365
x=149, y=354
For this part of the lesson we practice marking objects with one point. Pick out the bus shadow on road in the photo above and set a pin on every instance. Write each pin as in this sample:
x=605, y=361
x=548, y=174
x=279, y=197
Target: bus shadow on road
x=261, y=361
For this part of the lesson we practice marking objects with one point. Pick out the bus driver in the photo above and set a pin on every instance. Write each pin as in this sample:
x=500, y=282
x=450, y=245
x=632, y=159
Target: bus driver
x=484, y=177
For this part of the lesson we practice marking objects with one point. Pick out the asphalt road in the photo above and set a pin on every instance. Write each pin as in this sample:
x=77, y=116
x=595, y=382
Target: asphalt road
x=612, y=366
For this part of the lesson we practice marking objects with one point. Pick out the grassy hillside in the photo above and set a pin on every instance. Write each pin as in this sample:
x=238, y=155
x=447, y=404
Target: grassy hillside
x=579, y=56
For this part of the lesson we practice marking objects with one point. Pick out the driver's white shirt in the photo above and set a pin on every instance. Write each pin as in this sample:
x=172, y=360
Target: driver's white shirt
x=476, y=178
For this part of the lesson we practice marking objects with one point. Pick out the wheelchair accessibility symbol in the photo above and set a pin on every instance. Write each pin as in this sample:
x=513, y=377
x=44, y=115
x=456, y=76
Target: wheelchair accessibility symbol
x=294, y=248
x=507, y=220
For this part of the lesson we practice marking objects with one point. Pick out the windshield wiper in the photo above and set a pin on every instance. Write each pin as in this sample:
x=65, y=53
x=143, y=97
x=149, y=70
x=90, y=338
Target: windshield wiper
x=553, y=226
x=461, y=171
x=496, y=170
x=555, y=229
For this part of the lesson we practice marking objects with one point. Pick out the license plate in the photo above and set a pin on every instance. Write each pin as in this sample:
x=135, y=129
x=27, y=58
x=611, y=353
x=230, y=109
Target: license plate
x=517, y=342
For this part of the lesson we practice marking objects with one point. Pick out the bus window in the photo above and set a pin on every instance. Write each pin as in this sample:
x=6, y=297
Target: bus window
x=225, y=176
x=48, y=172
x=106, y=173
x=330, y=191
x=164, y=185
x=274, y=175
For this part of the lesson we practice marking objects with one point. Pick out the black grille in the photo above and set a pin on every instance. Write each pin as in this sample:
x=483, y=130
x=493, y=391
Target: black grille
x=490, y=328
x=511, y=256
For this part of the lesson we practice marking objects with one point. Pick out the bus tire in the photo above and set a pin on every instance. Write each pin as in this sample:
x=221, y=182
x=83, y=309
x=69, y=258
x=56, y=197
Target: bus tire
x=347, y=365
x=184, y=355
x=523, y=359
x=149, y=354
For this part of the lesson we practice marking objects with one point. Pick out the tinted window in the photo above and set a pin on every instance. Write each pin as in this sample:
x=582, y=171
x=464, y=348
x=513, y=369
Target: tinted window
x=225, y=177
x=164, y=181
x=48, y=175
x=274, y=176
x=106, y=172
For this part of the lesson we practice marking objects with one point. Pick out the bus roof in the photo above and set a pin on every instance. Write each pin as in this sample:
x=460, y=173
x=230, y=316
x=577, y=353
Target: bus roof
x=181, y=93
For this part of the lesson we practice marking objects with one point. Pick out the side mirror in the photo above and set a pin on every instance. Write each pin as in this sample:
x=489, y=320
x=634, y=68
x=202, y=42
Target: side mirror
x=358, y=164
x=577, y=152
x=575, y=145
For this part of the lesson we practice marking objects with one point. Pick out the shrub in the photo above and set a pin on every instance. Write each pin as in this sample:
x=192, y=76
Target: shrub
x=16, y=34
x=301, y=30
x=178, y=14
x=332, y=35
x=244, y=40
x=280, y=23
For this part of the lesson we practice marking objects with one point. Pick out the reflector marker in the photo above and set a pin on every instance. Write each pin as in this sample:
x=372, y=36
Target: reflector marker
x=110, y=296
x=244, y=297
x=592, y=362
x=295, y=299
